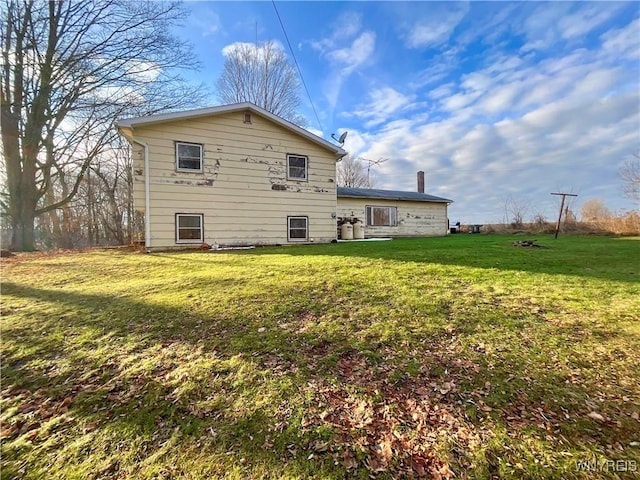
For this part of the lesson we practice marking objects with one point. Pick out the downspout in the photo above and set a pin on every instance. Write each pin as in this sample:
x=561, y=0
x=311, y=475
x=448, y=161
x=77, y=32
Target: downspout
x=147, y=195
x=339, y=157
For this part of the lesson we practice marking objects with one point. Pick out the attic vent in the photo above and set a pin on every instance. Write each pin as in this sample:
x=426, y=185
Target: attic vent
x=247, y=117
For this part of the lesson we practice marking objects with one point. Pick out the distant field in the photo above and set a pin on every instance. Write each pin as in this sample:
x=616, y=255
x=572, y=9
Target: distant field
x=456, y=357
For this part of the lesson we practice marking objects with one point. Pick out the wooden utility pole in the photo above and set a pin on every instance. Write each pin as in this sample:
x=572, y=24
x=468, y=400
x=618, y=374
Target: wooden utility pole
x=564, y=195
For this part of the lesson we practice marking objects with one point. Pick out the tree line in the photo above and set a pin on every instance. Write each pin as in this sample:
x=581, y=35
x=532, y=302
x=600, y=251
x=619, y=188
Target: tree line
x=69, y=70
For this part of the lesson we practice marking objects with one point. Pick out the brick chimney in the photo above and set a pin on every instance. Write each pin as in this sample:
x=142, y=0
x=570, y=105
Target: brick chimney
x=420, y=182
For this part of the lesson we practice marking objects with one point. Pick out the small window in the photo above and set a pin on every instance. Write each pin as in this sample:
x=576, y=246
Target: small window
x=247, y=118
x=188, y=157
x=381, y=216
x=189, y=228
x=298, y=229
x=296, y=167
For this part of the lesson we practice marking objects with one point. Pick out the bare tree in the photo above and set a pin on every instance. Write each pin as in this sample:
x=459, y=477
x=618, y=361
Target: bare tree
x=69, y=69
x=102, y=211
x=352, y=173
x=539, y=220
x=261, y=74
x=630, y=175
x=595, y=211
x=515, y=211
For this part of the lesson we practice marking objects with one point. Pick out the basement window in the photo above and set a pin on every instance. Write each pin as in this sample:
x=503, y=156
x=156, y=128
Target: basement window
x=189, y=228
x=298, y=229
x=381, y=216
x=188, y=157
x=297, y=166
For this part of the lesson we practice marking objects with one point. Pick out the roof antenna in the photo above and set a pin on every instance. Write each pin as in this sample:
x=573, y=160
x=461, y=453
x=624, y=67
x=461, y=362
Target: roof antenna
x=372, y=163
x=342, y=138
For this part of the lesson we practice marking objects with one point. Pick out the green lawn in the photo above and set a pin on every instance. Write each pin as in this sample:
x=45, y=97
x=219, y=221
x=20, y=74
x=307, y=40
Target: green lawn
x=457, y=357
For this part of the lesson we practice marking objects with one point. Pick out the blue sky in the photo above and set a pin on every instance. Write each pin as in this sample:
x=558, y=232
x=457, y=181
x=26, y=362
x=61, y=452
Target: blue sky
x=494, y=101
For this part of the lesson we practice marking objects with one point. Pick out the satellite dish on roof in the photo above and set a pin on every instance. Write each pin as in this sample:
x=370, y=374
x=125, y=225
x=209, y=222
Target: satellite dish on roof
x=342, y=138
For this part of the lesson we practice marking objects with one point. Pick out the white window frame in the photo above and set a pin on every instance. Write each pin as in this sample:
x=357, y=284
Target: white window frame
x=393, y=216
x=190, y=144
x=306, y=167
x=295, y=239
x=189, y=240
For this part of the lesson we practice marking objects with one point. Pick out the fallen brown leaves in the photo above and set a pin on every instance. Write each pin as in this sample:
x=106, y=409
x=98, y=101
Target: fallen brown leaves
x=36, y=408
x=33, y=409
x=407, y=428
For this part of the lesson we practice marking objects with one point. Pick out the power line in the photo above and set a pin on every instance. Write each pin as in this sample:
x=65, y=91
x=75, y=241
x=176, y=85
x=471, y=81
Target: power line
x=297, y=66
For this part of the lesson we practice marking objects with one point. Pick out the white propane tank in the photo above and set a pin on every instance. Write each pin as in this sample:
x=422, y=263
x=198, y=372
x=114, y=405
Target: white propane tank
x=346, y=231
x=358, y=231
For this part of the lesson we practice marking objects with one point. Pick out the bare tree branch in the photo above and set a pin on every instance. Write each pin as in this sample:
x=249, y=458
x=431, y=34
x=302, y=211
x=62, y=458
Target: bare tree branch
x=352, y=173
x=70, y=68
x=261, y=74
x=630, y=175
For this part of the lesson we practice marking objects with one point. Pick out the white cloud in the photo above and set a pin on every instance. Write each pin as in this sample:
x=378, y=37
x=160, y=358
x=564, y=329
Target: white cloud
x=461, y=100
x=344, y=60
x=315, y=131
x=256, y=50
x=489, y=24
x=144, y=71
x=583, y=21
x=383, y=104
x=440, y=68
x=204, y=19
x=331, y=87
x=601, y=81
x=540, y=28
x=561, y=113
x=502, y=99
x=356, y=142
x=441, y=91
x=437, y=28
x=551, y=23
x=514, y=127
x=353, y=56
x=623, y=42
x=512, y=85
x=434, y=34
x=345, y=27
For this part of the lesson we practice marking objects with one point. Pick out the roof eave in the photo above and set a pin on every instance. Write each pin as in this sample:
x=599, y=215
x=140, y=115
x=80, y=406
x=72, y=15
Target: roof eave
x=403, y=199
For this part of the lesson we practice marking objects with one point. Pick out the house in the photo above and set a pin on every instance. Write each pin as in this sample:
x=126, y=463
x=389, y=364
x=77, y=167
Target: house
x=392, y=213
x=231, y=175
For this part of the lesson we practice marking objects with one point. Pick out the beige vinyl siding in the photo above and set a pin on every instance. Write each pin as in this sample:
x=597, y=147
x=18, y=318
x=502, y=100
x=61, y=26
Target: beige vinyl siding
x=137, y=154
x=243, y=191
x=414, y=219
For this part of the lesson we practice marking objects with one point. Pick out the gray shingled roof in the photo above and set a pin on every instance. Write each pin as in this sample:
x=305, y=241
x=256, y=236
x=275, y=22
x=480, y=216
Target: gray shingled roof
x=389, y=195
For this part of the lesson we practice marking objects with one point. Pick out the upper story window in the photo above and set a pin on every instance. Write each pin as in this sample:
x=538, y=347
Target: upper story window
x=297, y=167
x=381, y=216
x=188, y=157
